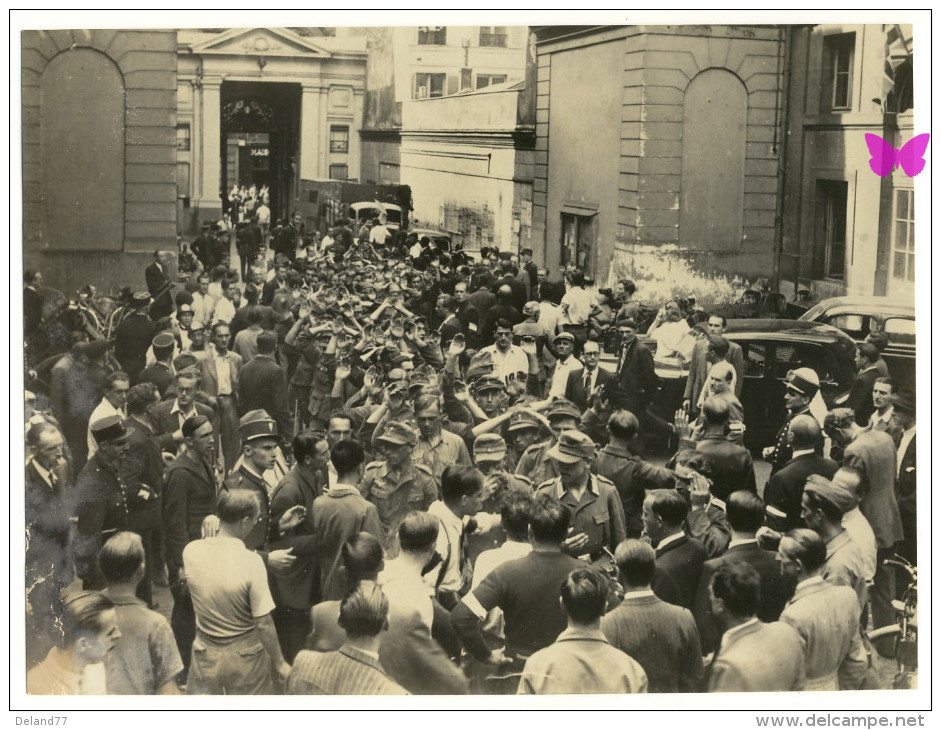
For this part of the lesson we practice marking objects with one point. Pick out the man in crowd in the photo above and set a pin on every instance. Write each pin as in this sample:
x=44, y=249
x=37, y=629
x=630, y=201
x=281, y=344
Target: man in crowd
x=436, y=447
x=220, y=379
x=860, y=396
x=731, y=463
x=117, y=385
x=168, y=418
x=582, y=384
x=799, y=390
x=508, y=359
x=825, y=616
x=236, y=650
x=662, y=637
x=904, y=404
x=160, y=372
x=883, y=418
x=133, y=336
x=262, y=384
x=635, y=371
x=581, y=660
x=679, y=558
x=567, y=364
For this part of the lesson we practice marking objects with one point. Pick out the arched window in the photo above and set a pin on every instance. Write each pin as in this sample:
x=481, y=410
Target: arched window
x=712, y=192
x=83, y=130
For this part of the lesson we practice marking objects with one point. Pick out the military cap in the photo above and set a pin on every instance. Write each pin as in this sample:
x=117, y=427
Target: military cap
x=840, y=497
x=163, y=341
x=257, y=424
x=140, y=298
x=196, y=326
x=563, y=407
x=489, y=447
x=572, y=446
x=480, y=364
x=489, y=382
x=183, y=309
x=520, y=420
x=398, y=433
x=564, y=336
x=804, y=381
x=110, y=430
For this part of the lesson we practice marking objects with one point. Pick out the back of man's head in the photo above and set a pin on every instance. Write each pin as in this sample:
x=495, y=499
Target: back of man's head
x=549, y=520
x=235, y=505
x=141, y=397
x=716, y=411
x=805, y=432
x=623, y=425
x=460, y=481
x=738, y=585
x=746, y=511
x=121, y=556
x=869, y=351
x=584, y=595
x=347, y=455
x=668, y=505
x=515, y=514
x=364, y=611
x=718, y=344
x=637, y=562
x=418, y=532
x=806, y=546
x=267, y=342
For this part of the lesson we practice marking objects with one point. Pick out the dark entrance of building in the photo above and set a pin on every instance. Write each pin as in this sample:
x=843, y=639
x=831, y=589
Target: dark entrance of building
x=260, y=126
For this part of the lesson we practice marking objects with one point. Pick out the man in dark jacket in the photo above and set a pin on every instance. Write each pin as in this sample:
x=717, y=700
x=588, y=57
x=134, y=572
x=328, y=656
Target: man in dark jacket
x=679, y=558
x=731, y=463
x=263, y=386
x=133, y=336
x=160, y=372
x=189, y=497
x=635, y=371
x=860, y=397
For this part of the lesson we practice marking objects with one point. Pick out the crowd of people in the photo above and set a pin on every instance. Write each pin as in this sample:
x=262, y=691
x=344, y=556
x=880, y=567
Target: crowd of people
x=365, y=466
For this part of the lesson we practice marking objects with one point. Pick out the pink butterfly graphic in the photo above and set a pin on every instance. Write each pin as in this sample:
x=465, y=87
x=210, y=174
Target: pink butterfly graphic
x=885, y=158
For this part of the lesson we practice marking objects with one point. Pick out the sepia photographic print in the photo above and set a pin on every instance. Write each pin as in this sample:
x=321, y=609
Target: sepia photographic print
x=565, y=363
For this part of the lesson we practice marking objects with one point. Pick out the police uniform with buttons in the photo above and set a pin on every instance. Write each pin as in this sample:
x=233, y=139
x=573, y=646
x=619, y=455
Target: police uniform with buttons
x=101, y=505
x=598, y=514
x=782, y=449
x=254, y=425
x=395, y=494
x=490, y=447
x=535, y=462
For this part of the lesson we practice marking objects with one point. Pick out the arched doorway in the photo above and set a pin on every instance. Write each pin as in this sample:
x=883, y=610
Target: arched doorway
x=260, y=127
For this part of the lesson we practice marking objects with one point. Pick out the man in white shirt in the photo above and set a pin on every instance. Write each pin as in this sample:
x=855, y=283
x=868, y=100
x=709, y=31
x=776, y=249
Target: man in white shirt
x=229, y=304
x=564, y=344
x=854, y=522
x=117, y=386
x=508, y=359
x=380, y=234
x=576, y=308
x=203, y=302
x=883, y=418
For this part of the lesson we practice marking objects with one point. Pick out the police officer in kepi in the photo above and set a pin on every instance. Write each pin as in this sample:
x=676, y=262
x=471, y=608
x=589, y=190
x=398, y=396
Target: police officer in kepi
x=597, y=514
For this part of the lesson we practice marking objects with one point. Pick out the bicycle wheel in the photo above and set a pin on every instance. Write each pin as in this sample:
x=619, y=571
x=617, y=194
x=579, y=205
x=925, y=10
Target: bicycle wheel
x=885, y=639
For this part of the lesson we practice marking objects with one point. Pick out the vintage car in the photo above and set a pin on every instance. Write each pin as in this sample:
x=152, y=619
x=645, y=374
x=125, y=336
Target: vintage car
x=366, y=211
x=858, y=316
x=441, y=238
x=771, y=348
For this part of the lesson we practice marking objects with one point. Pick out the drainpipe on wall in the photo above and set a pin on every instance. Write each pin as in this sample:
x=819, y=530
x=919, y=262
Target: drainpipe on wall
x=785, y=45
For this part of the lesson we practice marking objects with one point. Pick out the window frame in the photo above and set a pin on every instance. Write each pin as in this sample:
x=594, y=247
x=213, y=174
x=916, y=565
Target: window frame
x=838, y=46
x=490, y=80
x=494, y=38
x=184, y=143
x=432, y=35
x=429, y=77
x=340, y=146
x=339, y=164
x=908, y=252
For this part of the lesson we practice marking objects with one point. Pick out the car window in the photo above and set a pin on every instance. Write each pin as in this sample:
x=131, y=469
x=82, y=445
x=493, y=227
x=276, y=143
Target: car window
x=755, y=359
x=852, y=324
x=901, y=330
x=790, y=356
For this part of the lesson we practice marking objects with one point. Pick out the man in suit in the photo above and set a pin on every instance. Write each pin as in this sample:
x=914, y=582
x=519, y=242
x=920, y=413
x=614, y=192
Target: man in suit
x=527, y=273
x=133, y=336
x=582, y=383
x=519, y=295
x=874, y=453
x=467, y=315
x=904, y=405
x=354, y=668
x=825, y=616
x=660, y=636
x=32, y=302
x=679, y=558
x=632, y=476
x=263, y=385
x=785, y=487
x=48, y=565
x=883, y=418
x=860, y=397
x=168, y=418
x=635, y=370
x=220, y=379
x=752, y=656
x=707, y=352
x=159, y=286
x=446, y=312
x=746, y=512
x=731, y=463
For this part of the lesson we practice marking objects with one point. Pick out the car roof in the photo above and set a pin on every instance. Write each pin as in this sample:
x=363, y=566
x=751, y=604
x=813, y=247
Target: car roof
x=873, y=306
x=786, y=329
x=366, y=204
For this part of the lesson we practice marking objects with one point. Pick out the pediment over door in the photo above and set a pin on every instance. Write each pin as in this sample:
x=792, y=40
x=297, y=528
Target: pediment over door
x=255, y=41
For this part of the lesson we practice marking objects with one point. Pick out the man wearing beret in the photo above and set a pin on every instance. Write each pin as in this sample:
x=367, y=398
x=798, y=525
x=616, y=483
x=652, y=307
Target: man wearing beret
x=823, y=506
x=564, y=344
x=397, y=485
x=133, y=336
x=592, y=500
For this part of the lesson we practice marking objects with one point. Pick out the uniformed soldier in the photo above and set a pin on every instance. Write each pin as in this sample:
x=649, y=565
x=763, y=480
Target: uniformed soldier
x=593, y=501
x=490, y=459
x=535, y=463
x=800, y=390
x=522, y=431
x=397, y=485
x=100, y=499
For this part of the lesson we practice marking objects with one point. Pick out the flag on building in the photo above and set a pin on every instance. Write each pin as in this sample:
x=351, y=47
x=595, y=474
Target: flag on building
x=898, y=49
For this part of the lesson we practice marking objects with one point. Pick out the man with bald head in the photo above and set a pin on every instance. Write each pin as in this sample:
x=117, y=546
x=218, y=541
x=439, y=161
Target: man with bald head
x=785, y=488
x=732, y=467
x=503, y=309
